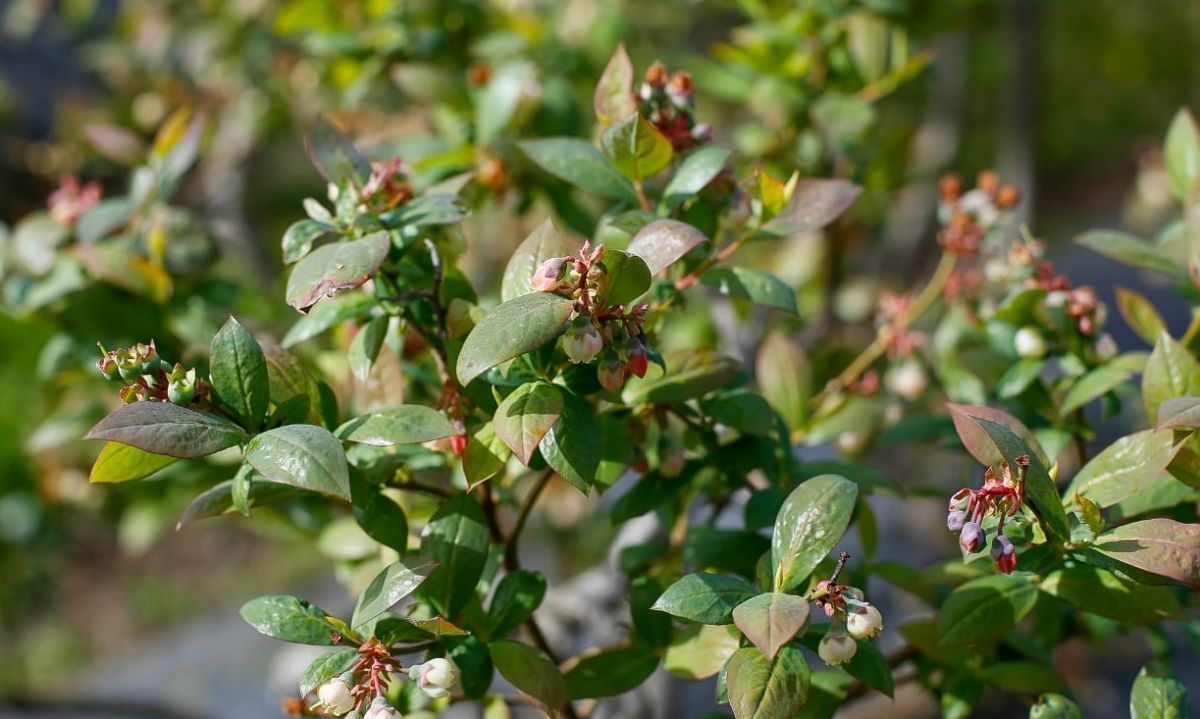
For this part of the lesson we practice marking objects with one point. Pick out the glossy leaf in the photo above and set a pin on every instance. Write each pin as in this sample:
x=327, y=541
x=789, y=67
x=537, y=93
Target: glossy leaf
x=984, y=609
x=571, y=445
x=771, y=620
x=403, y=424
x=165, y=428
x=627, y=279
x=365, y=346
x=978, y=442
x=1170, y=372
x=335, y=267
x=394, y=583
x=754, y=285
x=526, y=415
x=290, y=619
x=636, y=148
x=521, y=325
x=613, y=99
x=301, y=455
x=1124, y=468
x=814, y=204
x=1156, y=694
x=123, y=463
x=238, y=370
x=664, y=242
x=517, y=595
x=531, y=672
x=580, y=164
x=485, y=456
x=1039, y=487
x=694, y=173
x=326, y=667
x=760, y=688
x=701, y=650
x=1092, y=385
x=610, y=672
x=1160, y=546
x=542, y=244
x=810, y=524
x=456, y=537
x=327, y=314
x=300, y=236
x=705, y=598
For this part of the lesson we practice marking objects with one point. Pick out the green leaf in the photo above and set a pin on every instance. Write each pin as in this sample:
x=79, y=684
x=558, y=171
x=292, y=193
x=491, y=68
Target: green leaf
x=239, y=375
x=329, y=313
x=627, y=279
x=380, y=517
x=1140, y=315
x=525, y=416
x=1017, y=378
x=122, y=463
x=402, y=424
x=457, y=539
x=544, y=243
x=664, y=242
x=814, y=204
x=1095, y=383
x=1179, y=413
x=694, y=173
x=1131, y=250
x=395, y=582
x=165, y=428
x=301, y=455
x=485, y=457
x=1024, y=677
x=785, y=377
x=700, y=651
x=976, y=439
x=871, y=667
x=571, y=445
x=1055, y=706
x=984, y=609
x=693, y=374
x=724, y=550
x=754, y=285
x=500, y=99
x=613, y=98
x=326, y=667
x=474, y=664
x=705, y=598
x=290, y=619
x=580, y=164
x=517, y=595
x=365, y=346
x=521, y=325
x=611, y=672
x=1170, y=372
x=1181, y=155
x=636, y=147
x=810, y=524
x=1157, y=694
x=743, y=410
x=1160, y=546
x=1099, y=591
x=760, y=688
x=335, y=156
x=531, y=672
x=771, y=620
x=335, y=267
x=300, y=236
x=1124, y=468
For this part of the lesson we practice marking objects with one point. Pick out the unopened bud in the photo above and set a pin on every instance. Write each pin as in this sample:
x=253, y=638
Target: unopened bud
x=148, y=354
x=181, y=385
x=435, y=677
x=108, y=367
x=335, y=696
x=549, y=275
x=132, y=393
x=864, y=621
x=1004, y=555
x=1106, y=347
x=1029, y=343
x=129, y=365
x=639, y=360
x=582, y=342
x=907, y=379
x=380, y=709
x=702, y=132
x=837, y=648
x=972, y=537
x=955, y=521
x=611, y=372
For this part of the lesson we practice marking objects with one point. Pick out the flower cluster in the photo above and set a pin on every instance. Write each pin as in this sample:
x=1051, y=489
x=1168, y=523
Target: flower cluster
x=1001, y=495
x=967, y=217
x=147, y=377
x=387, y=187
x=363, y=688
x=852, y=617
x=668, y=102
x=599, y=329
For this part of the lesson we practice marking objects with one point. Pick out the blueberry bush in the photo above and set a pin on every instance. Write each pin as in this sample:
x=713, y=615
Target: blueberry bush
x=415, y=414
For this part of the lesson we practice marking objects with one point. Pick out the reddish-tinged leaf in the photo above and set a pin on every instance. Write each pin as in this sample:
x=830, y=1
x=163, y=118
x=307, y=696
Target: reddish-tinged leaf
x=339, y=266
x=664, y=242
x=1160, y=546
x=613, y=100
x=813, y=205
x=976, y=439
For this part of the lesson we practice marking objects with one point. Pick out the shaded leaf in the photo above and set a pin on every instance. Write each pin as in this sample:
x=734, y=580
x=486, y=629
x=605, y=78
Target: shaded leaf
x=165, y=428
x=531, y=672
x=326, y=667
x=1099, y=591
x=1160, y=546
x=754, y=285
x=526, y=415
x=580, y=164
x=611, y=672
x=517, y=595
x=984, y=609
x=335, y=156
x=456, y=537
x=542, y=244
x=814, y=204
x=694, y=173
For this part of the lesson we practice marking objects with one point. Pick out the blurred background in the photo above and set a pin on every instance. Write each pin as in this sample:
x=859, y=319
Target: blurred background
x=106, y=609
